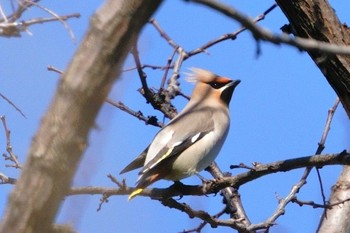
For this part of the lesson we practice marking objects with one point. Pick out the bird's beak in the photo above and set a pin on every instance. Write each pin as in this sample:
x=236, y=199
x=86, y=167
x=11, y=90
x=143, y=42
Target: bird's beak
x=227, y=92
x=234, y=83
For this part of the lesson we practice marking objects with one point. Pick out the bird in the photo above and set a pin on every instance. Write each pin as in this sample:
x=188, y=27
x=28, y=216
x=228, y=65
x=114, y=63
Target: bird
x=191, y=141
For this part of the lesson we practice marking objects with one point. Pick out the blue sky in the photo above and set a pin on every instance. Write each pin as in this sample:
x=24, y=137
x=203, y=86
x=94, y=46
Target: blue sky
x=278, y=112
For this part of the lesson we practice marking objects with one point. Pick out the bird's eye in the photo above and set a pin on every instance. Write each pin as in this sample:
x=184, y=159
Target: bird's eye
x=216, y=85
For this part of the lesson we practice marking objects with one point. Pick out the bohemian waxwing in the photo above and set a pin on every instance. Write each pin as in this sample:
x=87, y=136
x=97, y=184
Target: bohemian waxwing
x=191, y=141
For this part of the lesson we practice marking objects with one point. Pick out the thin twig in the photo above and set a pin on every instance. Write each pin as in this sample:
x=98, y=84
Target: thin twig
x=231, y=198
x=103, y=199
x=6, y=180
x=295, y=189
x=22, y=7
x=230, y=36
x=157, y=100
x=283, y=202
x=163, y=33
x=169, y=61
x=9, y=150
x=54, y=69
x=64, y=23
x=327, y=127
x=150, y=120
x=214, y=222
x=142, y=74
x=204, y=223
x=153, y=67
x=321, y=145
x=265, y=35
x=13, y=105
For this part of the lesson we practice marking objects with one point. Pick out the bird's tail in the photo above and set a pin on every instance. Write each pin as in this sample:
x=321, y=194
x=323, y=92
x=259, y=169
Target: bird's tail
x=144, y=181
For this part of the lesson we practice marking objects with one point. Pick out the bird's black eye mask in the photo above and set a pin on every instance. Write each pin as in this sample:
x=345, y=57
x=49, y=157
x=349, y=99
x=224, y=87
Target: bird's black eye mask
x=217, y=85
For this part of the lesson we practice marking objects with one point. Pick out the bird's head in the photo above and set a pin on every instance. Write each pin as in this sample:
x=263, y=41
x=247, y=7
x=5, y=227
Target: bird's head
x=211, y=87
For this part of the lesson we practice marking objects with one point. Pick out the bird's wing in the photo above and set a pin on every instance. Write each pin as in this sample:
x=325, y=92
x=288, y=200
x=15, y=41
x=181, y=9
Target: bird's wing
x=137, y=163
x=170, y=142
x=168, y=152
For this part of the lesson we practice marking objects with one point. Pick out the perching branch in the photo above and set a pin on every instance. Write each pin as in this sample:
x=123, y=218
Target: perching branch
x=214, y=186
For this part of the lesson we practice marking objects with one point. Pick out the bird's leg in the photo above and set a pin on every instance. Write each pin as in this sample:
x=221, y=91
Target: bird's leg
x=205, y=183
x=204, y=180
x=177, y=185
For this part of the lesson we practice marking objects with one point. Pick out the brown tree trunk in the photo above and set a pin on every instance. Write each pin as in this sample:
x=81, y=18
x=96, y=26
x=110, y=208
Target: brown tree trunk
x=316, y=19
x=62, y=137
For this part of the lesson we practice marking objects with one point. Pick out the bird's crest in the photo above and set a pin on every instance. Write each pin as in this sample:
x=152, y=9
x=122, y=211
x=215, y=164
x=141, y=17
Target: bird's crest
x=202, y=75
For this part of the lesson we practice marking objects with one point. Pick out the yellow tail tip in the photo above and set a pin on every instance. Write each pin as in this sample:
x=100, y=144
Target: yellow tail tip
x=134, y=193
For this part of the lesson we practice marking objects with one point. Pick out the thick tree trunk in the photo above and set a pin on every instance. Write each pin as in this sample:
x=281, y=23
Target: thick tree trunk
x=337, y=219
x=317, y=20
x=62, y=137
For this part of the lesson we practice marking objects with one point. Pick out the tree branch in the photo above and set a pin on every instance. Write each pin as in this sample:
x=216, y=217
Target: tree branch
x=214, y=186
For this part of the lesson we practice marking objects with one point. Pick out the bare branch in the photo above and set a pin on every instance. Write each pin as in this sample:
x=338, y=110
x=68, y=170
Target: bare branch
x=214, y=186
x=230, y=36
x=22, y=7
x=150, y=120
x=327, y=127
x=9, y=150
x=6, y=180
x=214, y=222
x=321, y=144
x=153, y=67
x=231, y=199
x=283, y=202
x=71, y=34
x=204, y=223
x=13, y=105
x=163, y=34
x=157, y=100
x=265, y=35
x=13, y=29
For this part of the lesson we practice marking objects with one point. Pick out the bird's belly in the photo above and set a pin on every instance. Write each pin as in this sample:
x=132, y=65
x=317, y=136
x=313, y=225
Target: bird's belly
x=195, y=159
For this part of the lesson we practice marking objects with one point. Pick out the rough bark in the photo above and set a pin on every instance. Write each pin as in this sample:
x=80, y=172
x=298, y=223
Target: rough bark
x=337, y=219
x=62, y=137
x=317, y=20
